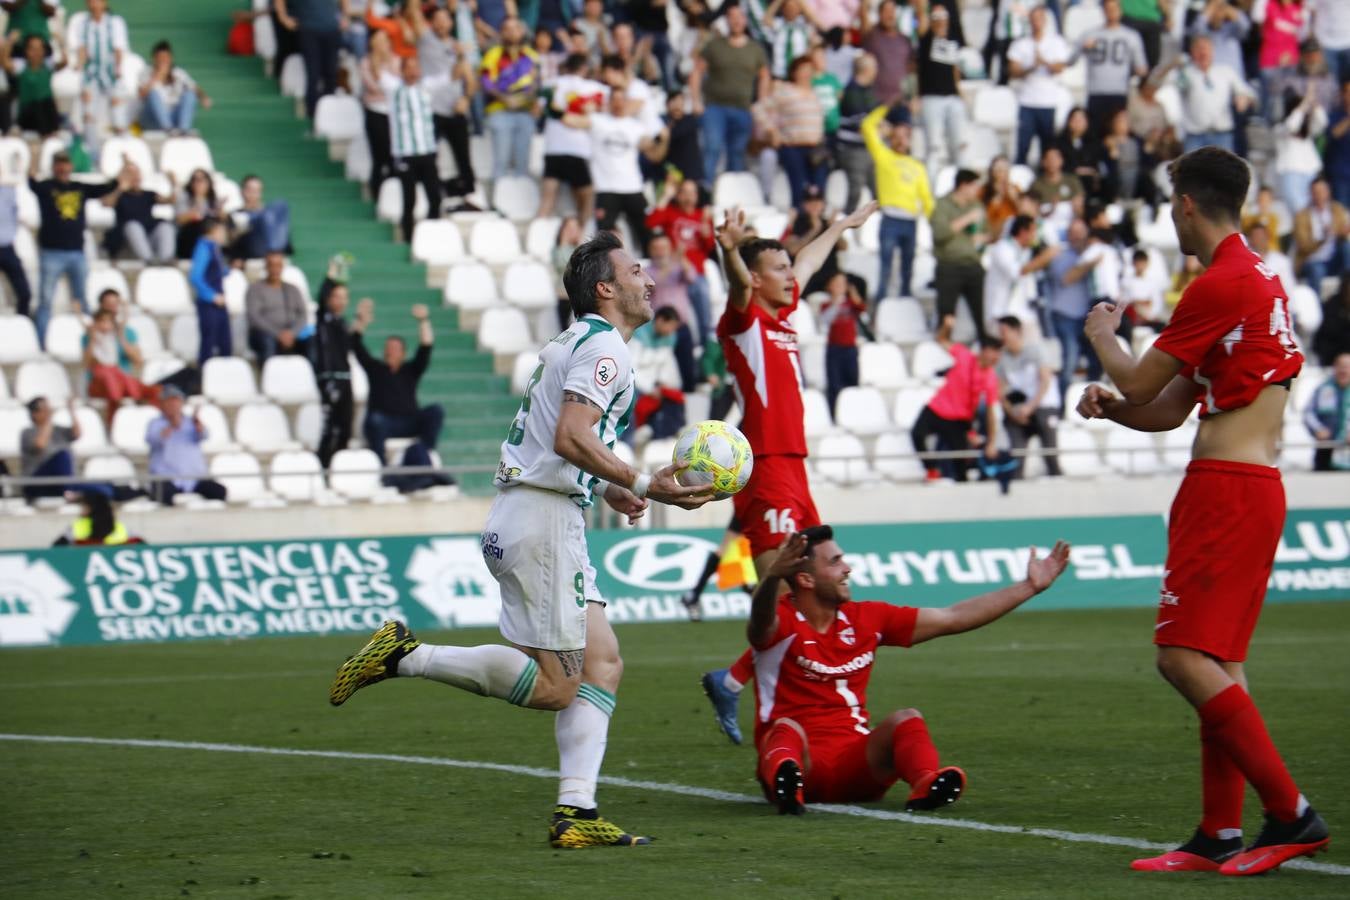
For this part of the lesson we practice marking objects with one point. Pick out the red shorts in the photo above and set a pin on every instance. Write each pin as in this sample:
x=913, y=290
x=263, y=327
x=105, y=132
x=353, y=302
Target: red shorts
x=838, y=772
x=1225, y=525
x=775, y=503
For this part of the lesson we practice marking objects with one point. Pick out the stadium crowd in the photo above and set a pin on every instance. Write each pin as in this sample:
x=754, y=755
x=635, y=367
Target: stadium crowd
x=1018, y=152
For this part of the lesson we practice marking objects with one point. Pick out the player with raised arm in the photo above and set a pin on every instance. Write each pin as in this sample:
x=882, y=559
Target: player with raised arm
x=760, y=345
x=557, y=458
x=814, y=648
x=1230, y=349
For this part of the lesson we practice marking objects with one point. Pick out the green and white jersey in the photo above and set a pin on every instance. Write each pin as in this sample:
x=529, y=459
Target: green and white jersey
x=590, y=359
x=102, y=39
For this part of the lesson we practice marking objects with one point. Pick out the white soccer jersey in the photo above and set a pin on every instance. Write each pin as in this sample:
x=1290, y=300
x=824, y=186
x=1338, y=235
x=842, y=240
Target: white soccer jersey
x=590, y=359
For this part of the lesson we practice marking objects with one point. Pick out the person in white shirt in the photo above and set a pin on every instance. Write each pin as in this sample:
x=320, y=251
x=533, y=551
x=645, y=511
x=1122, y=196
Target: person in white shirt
x=412, y=144
x=97, y=40
x=567, y=148
x=1036, y=59
x=169, y=96
x=1030, y=392
x=1103, y=278
x=1209, y=94
x=617, y=137
x=1331, y=27
x=1008, y=263
x=1297, y=161
x=1011, y=22
x=1142, y=294
x=1258, y=238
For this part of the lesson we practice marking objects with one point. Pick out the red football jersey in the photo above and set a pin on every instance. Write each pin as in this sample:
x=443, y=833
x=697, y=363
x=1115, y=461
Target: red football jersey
x=761, y=354
x=1232, y=330
x=820, y=680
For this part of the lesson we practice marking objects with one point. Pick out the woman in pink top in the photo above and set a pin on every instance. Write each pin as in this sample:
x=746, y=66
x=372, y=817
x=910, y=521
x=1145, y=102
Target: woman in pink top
x=1283, y=24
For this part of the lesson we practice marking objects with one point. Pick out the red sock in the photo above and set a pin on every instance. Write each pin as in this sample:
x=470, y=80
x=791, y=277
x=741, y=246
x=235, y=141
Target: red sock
x=912, y=751
x=743, y=669
x=781, y=742
x=1236, y=727
x=1222, y=787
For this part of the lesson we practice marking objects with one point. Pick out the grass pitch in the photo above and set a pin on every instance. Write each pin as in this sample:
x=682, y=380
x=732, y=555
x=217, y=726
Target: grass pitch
x=1058, y=718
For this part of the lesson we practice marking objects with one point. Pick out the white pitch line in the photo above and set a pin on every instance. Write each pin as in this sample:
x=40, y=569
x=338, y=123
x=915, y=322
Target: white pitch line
x=147, y=679
x=683, y=790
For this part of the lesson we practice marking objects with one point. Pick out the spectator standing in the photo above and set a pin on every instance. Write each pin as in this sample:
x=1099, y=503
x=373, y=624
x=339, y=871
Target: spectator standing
x=902, y=192
x=275, y=311
x=1283, y=24
x=10, y=264
x=392, y=410
x=1011, y=22
x=412, y=141
x=1209, y=95
x=685, y=153
x=61, y=234
x=729, y=72
x=659, y=410
x=1010, y=260
x=891, y=48
x=318, y=26
x=791, y=31
x=1327, y=418
x=1060, y=194
x=1331, y=27
x=110, y=352
x=688, y=222
x=593, y=23
x=798, y=130
x=169, y=96
x=329, y=347
x=567, y=147
x=510, y=80
x=31, y=84
x=1149, y=18
x=829, y=90
x=840, y=55
x=1124, y=161
x=176, y=452
x=135, y=228
x=1297, y=161
x=971, y=382
x=617, y=140
x=651, y=26
x=851, y=151
x=1227, y=26
x=1031, y=399
x=1081, y=150
x=98, y=41
x=30, y=18
x=1320, y=232
x=1338, y=148
x=1114, y=54
x=380, y=77
x=673, y=275
x=958, y=236
x=999, y=195
x=1070, y=300
x=195, y=204
x=1035, y=60
x=207, y=278
x=1333, y=335
x=843, y=309
x=448, y=77
x=1310, y=75
x=939, y=77
x=45, y=449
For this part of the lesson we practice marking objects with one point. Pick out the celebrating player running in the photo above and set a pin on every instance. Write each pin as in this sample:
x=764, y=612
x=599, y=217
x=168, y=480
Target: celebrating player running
x=1228, y=348
x=557, y=457
x=760, y=346
x=814, y=649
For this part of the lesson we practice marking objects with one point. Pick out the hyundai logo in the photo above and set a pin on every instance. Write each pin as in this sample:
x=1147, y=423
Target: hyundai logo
x=659, y=562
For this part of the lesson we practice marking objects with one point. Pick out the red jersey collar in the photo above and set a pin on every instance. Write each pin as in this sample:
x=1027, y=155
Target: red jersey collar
x=1230, y=245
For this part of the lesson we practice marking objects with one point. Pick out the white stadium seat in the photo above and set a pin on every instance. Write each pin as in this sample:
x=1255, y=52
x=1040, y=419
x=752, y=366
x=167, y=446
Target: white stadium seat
x=157, y=368
x=528, y=283
x=164, y=291
x=289, y=380
x=6, y=399
x=15, y=158
x=338, y=117
x=228, y=380
x=181, y=156
x=1079, y=454
x=309, y=425
x=389, y=205
x=294, y=275
x=265, y=38
x=104, y=278
x=262, y=428
x=93, y=435
x=522, y=370
x=893, y=457
x=996, y=107
x=862, y=411
x=816, y=418
x=129, y=426
x=1305, y=308
x=901, y=319
x=296, y=475
x=360, y=381
x=908, y=404
x=516, y=198
x=355, y=474
x=1080, y=19
x=882, y=366
x=494, y=241
x=541, y=237
x=13, y=420
x=20, y=341
x=929, y=360
x=842, y=459
x=217, y=428
x=42, y=378
x=293, y=77
x=1132, y=452
x=120, y=149
x=109, y=466
x=437, y=242
x=470, y=285
x=504, y=330
x=185, y=336
x=240, y=474
x=740, y=189
x=235, y=283
x=358, y=164
x=65, y=338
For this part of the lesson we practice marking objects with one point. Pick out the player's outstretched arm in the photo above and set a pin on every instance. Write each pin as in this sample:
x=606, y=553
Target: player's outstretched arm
x=729, y=236
x=977, y=611
x=1139, y=380
x=811, y=257
x=763, y=622
x=1163, y=413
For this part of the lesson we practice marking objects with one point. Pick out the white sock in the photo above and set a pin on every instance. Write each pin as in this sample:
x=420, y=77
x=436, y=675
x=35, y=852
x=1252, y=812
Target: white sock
x=491, y=670
x=582, y=730
x=731, y=684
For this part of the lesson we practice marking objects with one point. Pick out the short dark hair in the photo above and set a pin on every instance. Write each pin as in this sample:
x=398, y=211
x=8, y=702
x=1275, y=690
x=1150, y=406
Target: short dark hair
x=34, y=404
x=1141, y=255
x=612, y=61
x=161, y=45
x=106, y=291
x=589, y=265
x=250, y=177
x=803, y=60
x=989, y=342
x=398, y=338
x=668, y=313
x=815, y=536
x=1011, y=321
x=1020, y=224
x=1215, y=180
x=575, y=62
x=965, y=176
x=750, y=250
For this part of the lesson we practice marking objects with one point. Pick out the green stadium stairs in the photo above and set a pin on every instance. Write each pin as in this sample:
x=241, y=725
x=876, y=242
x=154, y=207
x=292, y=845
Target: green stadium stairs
x=251, y=128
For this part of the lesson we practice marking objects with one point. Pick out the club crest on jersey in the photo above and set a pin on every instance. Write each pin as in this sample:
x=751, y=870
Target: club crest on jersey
x=606, y=370
x=847, y=636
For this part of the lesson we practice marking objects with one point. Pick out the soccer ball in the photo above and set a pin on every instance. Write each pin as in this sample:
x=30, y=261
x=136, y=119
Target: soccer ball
x=715, y=453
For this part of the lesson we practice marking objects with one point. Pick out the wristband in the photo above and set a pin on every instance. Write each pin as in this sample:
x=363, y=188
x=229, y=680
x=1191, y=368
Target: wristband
x=640, y=485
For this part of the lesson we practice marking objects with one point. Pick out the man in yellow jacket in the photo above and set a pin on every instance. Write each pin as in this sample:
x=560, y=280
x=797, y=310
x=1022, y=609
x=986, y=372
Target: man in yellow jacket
x=902, y=191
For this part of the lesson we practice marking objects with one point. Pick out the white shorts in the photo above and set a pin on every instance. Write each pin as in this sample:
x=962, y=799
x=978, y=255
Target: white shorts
x=534, y=544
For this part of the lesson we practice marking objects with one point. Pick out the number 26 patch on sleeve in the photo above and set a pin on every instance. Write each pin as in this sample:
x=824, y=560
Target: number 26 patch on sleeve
x=606, y=370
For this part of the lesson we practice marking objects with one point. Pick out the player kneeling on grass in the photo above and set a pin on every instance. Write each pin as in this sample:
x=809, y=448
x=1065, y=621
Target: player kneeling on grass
x=813, y=653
